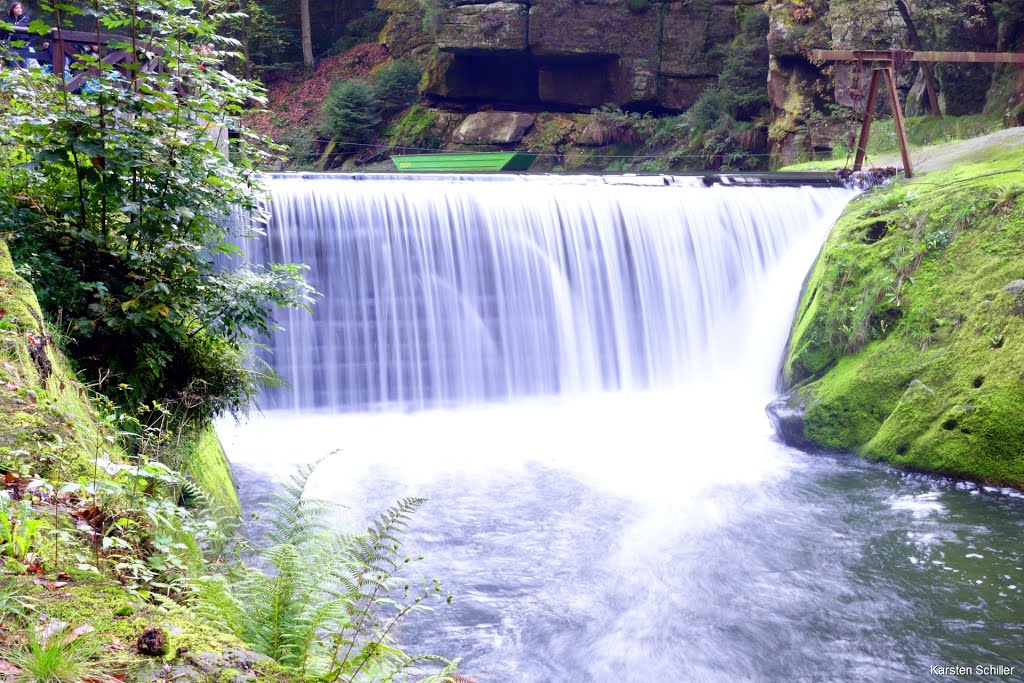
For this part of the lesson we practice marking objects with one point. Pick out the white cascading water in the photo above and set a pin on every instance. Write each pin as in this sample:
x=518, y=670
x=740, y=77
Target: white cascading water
x=440, y=292
x=573, y=371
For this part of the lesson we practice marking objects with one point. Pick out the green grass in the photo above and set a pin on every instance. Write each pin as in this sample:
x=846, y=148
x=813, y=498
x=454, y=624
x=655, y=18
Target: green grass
x=907, y=346
x=922, y=131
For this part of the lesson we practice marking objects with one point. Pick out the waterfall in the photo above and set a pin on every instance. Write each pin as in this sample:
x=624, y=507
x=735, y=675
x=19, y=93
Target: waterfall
x=442, y=291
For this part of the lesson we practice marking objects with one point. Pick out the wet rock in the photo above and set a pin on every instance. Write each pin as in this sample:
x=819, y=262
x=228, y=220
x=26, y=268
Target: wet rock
x=231, y=666
x=917, y=389
x=787, y=416
x=1016, y=290
x=493, y=128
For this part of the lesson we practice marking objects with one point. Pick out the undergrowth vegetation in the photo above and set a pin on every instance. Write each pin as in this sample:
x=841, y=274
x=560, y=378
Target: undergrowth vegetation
x=324, y=603
x=116, y=200
x=107, y=566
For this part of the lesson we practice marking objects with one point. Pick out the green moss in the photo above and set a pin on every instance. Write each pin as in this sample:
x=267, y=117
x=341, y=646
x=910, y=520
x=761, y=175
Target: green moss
x=116, y=620
x=907, y=345
x=46, y=418
x=203, y=459
x=415, y=128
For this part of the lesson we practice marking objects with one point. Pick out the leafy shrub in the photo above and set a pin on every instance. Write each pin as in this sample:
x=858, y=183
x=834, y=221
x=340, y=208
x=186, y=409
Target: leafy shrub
x=118, y=219
x=396, y=85
x=350, y=113
x=743, y=77
x=938, y=239
x=710, y=108
x=18, y=527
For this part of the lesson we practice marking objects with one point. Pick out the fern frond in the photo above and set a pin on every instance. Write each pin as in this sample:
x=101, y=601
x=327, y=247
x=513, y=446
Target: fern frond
x=296, y=518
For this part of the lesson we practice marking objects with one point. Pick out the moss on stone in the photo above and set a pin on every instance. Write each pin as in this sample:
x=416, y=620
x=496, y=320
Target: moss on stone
x=203, y=458
x=908, y=344
x=46, y=417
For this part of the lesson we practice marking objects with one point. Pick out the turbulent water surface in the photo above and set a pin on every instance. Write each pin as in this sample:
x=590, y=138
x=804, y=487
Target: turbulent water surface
x=573, y=371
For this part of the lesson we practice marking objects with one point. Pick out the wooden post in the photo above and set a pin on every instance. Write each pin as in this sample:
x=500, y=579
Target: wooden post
x=865, y=128
x=57, y=53
x=897, y=115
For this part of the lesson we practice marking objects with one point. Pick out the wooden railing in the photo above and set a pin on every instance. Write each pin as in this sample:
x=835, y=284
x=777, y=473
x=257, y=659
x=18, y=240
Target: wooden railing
x=66, y=47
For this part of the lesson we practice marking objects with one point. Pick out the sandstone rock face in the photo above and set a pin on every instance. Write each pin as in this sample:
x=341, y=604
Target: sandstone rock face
x=493, y=128
x=581, y=54
x=494, y=27
x=688, y=32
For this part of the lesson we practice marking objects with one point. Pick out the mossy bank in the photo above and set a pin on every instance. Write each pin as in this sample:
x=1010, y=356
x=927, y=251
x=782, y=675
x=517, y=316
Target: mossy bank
x=54, y=433
x=908, y=343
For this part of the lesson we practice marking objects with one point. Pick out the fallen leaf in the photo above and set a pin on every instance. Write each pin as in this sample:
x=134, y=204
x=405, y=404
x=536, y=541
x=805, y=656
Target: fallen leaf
x=35, y=568
x=79, y=631
x=50, y=585
x=8, y=668
x=63, y=576
x=50, y=629
x=116, y=644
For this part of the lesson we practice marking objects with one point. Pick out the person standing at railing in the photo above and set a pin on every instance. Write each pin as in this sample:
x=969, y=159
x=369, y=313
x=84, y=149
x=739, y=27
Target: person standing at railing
x=16, y=44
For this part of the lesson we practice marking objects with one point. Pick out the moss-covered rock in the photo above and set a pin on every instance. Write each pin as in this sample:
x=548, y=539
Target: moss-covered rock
x=52, y=433
x=46, y=417
x=908, y=345
x=203, y=459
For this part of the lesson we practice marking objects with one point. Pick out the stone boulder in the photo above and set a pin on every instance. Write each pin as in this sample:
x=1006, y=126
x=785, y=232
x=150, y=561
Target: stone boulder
x=493, y=128
x=495, y=27
x=787, y=417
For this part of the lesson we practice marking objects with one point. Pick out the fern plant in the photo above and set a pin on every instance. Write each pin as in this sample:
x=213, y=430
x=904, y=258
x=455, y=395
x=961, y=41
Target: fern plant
x=325, y=603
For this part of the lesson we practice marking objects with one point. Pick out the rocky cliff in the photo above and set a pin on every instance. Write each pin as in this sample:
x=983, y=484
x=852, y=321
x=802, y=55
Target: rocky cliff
x=644, y=55
x=567, y=55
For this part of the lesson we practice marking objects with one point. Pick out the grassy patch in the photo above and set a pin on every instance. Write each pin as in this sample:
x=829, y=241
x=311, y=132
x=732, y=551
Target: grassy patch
x=922, y=131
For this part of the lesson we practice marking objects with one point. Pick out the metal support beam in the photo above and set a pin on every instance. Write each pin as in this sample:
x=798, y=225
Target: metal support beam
x=918, y=56
x=897, y=115
x=877, y=74
x=865, y=127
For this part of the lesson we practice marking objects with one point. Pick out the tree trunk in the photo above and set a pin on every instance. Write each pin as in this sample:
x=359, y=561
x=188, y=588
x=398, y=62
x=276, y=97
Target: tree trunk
x=307, y=36
x=926, y=68
x=243, y=7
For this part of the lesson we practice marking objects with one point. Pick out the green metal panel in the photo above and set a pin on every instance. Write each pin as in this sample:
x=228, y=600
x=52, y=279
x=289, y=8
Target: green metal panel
x=466, y=161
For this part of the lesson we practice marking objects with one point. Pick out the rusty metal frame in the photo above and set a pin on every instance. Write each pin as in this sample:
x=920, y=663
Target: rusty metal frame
x=881, y=63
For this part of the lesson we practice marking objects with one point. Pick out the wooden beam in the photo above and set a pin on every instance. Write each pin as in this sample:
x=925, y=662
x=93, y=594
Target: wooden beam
x=77, y=36
x=897, y=115
x=918, y=56
x=83, y=75
x=865, y=127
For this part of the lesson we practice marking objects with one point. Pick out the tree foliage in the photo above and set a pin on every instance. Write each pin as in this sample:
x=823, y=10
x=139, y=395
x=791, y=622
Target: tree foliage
x=940, y=23
x=350, y=113
x=116, y=201
x=396, y=85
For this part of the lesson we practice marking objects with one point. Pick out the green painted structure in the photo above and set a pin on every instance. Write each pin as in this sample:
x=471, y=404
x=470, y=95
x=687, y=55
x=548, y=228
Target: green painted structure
x=466, y=161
